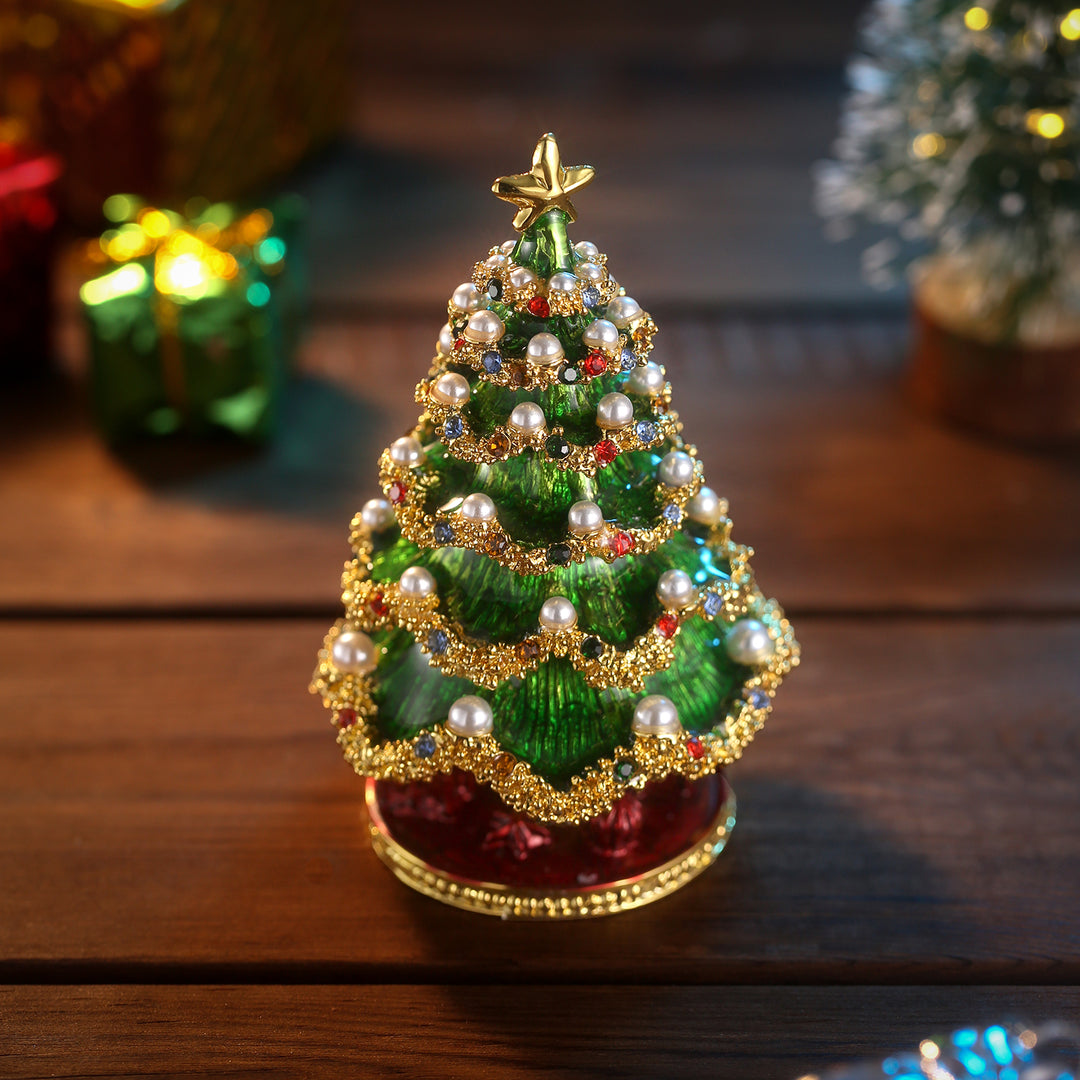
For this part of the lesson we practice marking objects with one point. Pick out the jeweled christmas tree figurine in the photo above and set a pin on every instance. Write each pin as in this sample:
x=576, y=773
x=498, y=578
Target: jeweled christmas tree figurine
x=551, y=644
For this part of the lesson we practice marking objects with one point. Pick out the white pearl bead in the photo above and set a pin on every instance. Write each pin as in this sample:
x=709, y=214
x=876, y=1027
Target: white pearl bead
x=353, y=652
x=562, y=282
x=585, y=518
x=507, y=246
x=623, y=310
x=416, y=582
x=521, y=277
x=614, y=411
x=748, y=643
x=676, y=469
x=647, y=379
x=377, y=514
x=466, y=297
x=656, y=715
x=544, y=350
x=589, y=271
x=469, y=716
x=446, y=340
x=705, y=507
x=586, y=249
x=495, y=262
x=484, y=326
x=406, y=451
x=601, y=334
x=675, y=589
x=477, y=507
x=450, y=388
x=526, y=418
x=558, y=613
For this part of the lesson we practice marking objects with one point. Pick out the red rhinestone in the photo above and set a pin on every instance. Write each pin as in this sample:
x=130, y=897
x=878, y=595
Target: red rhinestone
x=397, y=493
x=346, y=717
x=459, y=344
x=621, y=542
x=696, y=747
x=539, y=307
x=606, y=451
x=594, y=364
x=667, y=624
x=378, y=604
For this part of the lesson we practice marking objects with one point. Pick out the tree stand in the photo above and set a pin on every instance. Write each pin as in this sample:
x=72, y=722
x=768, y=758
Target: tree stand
x=454, y=840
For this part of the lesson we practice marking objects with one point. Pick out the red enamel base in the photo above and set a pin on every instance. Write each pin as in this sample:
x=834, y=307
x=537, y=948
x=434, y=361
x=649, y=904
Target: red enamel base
x=454, y=839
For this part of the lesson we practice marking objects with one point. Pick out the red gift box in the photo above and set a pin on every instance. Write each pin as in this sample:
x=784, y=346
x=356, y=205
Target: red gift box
x=27, y=237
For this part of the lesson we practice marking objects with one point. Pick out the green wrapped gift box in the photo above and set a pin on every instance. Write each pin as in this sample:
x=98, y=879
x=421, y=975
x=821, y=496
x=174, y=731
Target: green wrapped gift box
x=193, y=319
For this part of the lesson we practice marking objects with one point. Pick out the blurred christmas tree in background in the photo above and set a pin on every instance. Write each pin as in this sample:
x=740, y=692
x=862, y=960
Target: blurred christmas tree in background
x=961, y=132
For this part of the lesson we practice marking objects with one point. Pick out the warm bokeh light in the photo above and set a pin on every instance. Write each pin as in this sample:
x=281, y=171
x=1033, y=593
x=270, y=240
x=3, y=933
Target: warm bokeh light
x=155, y=223
x=121, y=282
x=120, y=207
x=929, y=1049
x=1070, y=25
x=255, y=226
x=927, y=145
x=127, y=242
x=189, y=269
x=136, y=5
x=208, y=231
x=1047, y=124
x=976, y=18
x=185, y=273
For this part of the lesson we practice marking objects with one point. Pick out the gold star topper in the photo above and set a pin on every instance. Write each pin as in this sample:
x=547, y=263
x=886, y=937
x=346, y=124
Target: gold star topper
x=546, y=186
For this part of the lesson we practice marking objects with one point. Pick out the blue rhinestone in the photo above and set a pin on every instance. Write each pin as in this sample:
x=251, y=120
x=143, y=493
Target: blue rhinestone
x=672, y=513
x=437, y=641
x=492, y=362
x=646, y=430
x=453, y=427
x=425, y=746
x=444, y=533
x=590, y=297
x=713, y=603
x=627, y=359
x=758, y=698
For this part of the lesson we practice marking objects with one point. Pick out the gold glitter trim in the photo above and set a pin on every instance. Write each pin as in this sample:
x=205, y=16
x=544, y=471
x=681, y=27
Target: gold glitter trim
x=504, y=442
x=490, y=898
x=491, y=539
x=490, y=663
x=560, y=303
x=517, y=373
x=512, y=295
x=595, y=789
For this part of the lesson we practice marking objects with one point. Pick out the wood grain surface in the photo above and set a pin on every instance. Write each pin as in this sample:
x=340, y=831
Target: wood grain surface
x=909, y=814
x=851, y=501
x=486, y=1033
x=185, y=884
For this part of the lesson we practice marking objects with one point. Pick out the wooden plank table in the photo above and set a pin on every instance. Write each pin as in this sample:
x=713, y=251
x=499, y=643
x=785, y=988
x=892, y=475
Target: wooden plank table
x=185, y=886
x=184, y=880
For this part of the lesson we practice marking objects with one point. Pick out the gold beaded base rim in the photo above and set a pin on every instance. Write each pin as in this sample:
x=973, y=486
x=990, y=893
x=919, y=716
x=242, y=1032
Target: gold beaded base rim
x=513, y=902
